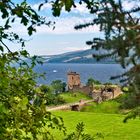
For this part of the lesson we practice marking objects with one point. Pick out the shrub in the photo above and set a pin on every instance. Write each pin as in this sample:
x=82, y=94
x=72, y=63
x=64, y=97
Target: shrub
x=104, y=107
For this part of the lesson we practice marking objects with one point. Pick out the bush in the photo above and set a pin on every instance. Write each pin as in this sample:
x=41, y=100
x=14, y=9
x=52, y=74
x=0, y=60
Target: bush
x=92, y=81
x=58, y=100
x=127, y=100
x=104, y=107
x=58, y=86
x=46, y=93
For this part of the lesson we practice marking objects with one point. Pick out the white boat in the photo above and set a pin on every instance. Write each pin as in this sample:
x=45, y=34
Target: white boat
x=54, y=70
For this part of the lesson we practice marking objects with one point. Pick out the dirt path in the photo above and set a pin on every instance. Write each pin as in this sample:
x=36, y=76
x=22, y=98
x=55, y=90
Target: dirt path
x=68, y=106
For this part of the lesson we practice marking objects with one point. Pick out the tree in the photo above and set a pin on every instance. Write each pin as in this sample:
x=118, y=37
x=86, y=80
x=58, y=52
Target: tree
x=20, y=117
x=58, y=86
x=91, y=82
x=47, y=95
x=45, y=89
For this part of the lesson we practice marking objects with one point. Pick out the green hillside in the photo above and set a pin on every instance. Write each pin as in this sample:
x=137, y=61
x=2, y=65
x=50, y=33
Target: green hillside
x=84, y=56
x=74, y=97
x=110, y=125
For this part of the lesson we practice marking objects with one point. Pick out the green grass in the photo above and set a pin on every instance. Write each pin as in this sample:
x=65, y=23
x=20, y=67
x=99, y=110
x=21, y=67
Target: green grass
x=74, y=97
x=110, y=125
x=104, y=107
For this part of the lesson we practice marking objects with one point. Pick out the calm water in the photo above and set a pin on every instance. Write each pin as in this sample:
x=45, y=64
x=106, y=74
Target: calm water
x=101, y=72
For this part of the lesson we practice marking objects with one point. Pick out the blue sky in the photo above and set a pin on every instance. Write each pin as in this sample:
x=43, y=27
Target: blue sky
x=64, y=38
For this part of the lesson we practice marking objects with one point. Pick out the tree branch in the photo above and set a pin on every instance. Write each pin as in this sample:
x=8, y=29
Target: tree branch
x=5, y=46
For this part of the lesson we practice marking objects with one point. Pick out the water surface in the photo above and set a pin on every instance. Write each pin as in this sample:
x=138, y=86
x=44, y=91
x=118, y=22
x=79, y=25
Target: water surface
x=101, y=72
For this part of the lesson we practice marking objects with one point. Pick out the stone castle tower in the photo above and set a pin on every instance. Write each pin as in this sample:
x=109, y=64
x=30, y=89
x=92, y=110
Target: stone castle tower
x=73, y=80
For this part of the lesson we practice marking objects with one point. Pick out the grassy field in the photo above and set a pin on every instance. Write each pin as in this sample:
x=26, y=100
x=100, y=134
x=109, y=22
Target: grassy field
x=74, y=97
x=110, y=125
x=104, y=107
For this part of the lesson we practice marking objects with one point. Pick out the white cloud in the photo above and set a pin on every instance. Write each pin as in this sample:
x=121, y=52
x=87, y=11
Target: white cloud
x=130, y=4
x=66, y=26
x=62, y=26
x=81, y=9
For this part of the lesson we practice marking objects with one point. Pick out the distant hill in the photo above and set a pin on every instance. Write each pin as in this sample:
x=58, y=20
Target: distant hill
x=84, y=56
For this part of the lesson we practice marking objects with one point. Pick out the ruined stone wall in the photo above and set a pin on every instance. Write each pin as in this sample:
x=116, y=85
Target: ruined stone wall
x=73, y=80
x=117, y=91
x=84, y=89
x=106, y=93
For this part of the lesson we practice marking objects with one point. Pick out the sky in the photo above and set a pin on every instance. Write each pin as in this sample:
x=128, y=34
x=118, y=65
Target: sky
x=64, y=38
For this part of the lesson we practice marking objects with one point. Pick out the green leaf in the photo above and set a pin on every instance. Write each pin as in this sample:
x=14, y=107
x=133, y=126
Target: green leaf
x=3, y=108
x=31, y=30
x=1, y=48
x=24, y=53
x=68, y=5
x=23, y=103
x=24, y=20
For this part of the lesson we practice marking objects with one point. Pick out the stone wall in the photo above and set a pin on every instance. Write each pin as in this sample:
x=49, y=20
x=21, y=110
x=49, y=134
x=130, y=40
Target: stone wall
x=106, y=93
x=117, y=91
x=73, y=80
x=84, y=89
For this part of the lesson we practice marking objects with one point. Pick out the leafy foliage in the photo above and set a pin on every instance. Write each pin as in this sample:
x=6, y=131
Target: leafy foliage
x=58, y=86
x=79, y=135
x=58, y=5
x=133, y=114
x=45, y=93
x=108, y=107
x=92, y=81
x=20, y=117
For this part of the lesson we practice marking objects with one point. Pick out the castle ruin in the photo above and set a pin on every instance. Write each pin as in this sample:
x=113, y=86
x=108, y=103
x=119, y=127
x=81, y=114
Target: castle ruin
x=103, y=93
x=74, y=84
x=73, y=80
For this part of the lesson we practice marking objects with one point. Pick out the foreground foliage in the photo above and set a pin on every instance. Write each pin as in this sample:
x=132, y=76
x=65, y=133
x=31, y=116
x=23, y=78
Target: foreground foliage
x=20, y=116
x=79, y=134
x=23, y=112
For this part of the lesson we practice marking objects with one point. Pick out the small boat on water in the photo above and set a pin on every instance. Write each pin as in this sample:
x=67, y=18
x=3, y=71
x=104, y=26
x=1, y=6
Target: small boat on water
x=54, y=70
